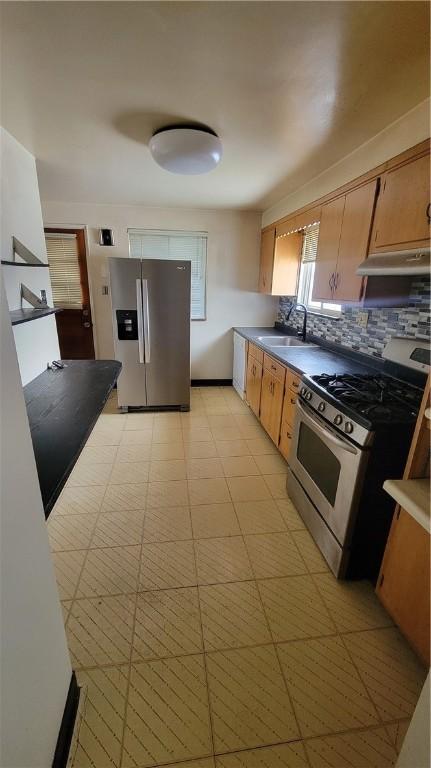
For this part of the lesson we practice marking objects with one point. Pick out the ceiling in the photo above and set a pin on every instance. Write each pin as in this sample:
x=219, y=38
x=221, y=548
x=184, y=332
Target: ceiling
x=290, y=87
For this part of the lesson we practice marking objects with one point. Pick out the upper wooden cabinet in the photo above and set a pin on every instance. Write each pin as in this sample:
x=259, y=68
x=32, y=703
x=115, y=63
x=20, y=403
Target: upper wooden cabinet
x=331, y=221
x=279, y=262
x=267, y=244
x=344, y=235
x=402, y=214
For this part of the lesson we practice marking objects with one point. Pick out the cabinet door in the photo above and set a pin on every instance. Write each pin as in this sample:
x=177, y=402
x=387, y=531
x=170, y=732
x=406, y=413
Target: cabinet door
x=285, y=439
x=354, y=240
x=271, y=404
x=404, y=584
x=254, y=379
x=401, y=214
x=289, y=408
x=331, y=220
x=287, y=258
x=267, y=245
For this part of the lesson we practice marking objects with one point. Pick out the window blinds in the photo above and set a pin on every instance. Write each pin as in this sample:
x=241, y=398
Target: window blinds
x=186, y=246
x=309, y=245
x=62, y=250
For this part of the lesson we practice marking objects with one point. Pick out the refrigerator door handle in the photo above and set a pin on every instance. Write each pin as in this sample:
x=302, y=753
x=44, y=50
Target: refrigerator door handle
x=140, y=320
x=147, y=344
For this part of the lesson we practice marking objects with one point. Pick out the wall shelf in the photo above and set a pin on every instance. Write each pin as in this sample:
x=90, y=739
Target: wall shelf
x=18, y=316
x=8, y=263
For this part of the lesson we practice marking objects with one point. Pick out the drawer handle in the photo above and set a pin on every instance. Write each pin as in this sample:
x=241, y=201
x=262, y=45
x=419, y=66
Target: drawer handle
x=289, y=436
x=292, y=401
x=295, y=384
x=273, y=368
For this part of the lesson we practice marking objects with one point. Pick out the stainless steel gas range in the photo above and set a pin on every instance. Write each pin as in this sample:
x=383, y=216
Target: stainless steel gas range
x=351, y=433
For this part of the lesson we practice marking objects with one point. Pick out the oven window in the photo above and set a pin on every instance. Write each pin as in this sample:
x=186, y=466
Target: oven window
x=319, y=461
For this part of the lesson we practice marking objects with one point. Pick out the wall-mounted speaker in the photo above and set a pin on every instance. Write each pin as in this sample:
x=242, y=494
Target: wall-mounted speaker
x=106, y=237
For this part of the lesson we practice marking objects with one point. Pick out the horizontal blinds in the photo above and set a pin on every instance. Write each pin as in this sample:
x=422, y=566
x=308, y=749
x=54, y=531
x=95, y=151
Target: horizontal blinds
x=64, y=270
x=309, y=245
x=185, y=246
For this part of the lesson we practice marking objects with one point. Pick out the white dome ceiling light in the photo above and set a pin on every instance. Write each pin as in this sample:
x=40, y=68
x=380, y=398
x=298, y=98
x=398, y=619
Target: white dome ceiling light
x=185, y=149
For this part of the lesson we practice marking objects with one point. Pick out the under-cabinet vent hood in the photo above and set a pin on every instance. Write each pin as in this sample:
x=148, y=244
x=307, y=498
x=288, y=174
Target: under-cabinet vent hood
x=413, y=262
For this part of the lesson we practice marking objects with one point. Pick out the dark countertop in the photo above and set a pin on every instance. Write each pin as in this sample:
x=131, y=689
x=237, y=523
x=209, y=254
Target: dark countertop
x=62, y=407
x=310, y=359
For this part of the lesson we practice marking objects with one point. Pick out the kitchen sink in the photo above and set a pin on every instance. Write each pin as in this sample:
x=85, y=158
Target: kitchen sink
x=283, y=341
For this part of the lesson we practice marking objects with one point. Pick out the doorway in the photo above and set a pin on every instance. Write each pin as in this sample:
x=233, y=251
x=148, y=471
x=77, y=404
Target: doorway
x=67, y=259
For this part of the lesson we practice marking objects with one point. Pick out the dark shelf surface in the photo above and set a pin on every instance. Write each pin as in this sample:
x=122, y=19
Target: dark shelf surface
x=63, y=406
x=18, y=316
x=21, y=264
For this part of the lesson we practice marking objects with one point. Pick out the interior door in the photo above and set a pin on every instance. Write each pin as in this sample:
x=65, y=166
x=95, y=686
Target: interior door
x=69, y=280
x=125, y=280
x=166, y=302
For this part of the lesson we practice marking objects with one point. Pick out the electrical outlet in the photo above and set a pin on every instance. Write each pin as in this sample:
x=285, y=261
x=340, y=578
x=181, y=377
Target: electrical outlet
x=363, y=319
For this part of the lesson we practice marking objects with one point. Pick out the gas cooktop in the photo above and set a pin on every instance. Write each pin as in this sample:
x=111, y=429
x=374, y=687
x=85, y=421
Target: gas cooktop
x=377, y=398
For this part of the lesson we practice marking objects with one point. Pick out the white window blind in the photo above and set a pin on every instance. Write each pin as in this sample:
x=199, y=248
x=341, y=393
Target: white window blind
x=62, y=250
x=306, y=274
x=186, y=246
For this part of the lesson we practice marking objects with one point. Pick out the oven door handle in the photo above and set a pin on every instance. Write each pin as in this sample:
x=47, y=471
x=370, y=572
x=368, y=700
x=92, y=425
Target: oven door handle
x=318, y=426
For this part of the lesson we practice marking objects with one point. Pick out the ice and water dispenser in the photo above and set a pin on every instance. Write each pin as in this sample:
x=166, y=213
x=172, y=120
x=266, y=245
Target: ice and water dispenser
x=127, y=324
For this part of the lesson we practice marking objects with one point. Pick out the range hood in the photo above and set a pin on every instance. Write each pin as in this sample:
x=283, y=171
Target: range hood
x=413, y=262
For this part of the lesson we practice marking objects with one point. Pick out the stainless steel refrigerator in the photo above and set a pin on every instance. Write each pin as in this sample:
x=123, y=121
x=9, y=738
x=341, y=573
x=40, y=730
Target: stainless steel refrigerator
x=151, y=321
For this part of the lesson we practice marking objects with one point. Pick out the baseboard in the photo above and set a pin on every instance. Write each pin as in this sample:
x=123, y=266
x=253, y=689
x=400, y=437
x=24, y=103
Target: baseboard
x=211, y=382
x=67, y=724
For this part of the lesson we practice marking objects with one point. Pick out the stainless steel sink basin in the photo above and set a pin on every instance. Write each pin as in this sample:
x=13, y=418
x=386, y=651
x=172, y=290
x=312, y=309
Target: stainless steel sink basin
x=283, y=341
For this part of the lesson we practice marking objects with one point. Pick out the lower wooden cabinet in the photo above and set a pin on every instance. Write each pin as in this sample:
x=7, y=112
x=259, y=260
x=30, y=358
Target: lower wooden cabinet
x=404, y=582
x=271, y=403
x=285, y=443
x=271, y=392
x=254, y=382
x=288, y=414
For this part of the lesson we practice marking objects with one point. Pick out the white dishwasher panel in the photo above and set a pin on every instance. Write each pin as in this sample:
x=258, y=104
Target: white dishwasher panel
x=239, y=364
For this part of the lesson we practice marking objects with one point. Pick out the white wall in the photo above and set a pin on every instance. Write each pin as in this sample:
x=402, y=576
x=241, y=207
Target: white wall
x=232, y=272
x=21, y=216
x=409, y=130
x=34, y=660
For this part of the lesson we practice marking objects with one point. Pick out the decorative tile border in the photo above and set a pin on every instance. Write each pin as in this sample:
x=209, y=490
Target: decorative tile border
x=411, y=320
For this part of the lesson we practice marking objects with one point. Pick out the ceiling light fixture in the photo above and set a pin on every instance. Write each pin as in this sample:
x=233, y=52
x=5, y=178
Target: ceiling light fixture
x=186, y=149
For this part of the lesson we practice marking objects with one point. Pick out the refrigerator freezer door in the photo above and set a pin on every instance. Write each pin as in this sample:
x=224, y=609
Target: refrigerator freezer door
x=166, y=320
x=126, y=288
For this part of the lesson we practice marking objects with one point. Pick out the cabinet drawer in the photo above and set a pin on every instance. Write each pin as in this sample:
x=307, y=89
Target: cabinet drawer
x=277, y=369
x=289, y=406
x=255, y=352
x=293, y=381
x=285, y=439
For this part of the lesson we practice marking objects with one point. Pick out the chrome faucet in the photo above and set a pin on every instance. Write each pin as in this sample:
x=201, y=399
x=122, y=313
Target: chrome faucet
x=293, y=307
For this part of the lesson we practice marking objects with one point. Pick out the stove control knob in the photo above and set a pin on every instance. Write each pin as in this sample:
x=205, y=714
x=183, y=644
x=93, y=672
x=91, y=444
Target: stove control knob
x=321, y=407
x=338, y=419
x=308, y=395
x=303, y=391
x=348, y=427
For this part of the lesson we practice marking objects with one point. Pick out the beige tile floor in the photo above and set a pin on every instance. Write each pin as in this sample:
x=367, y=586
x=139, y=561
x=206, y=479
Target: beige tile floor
x=200, y=616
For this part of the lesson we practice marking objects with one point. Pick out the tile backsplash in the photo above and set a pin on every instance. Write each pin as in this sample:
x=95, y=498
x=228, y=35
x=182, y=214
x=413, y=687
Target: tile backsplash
x=410, y=320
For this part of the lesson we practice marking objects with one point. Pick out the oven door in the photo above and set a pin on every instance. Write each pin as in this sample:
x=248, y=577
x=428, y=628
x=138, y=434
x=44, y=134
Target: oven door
x=329, y=468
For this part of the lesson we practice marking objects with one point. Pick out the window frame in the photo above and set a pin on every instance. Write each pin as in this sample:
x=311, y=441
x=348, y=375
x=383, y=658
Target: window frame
x=305, y=288
x=178, y=233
